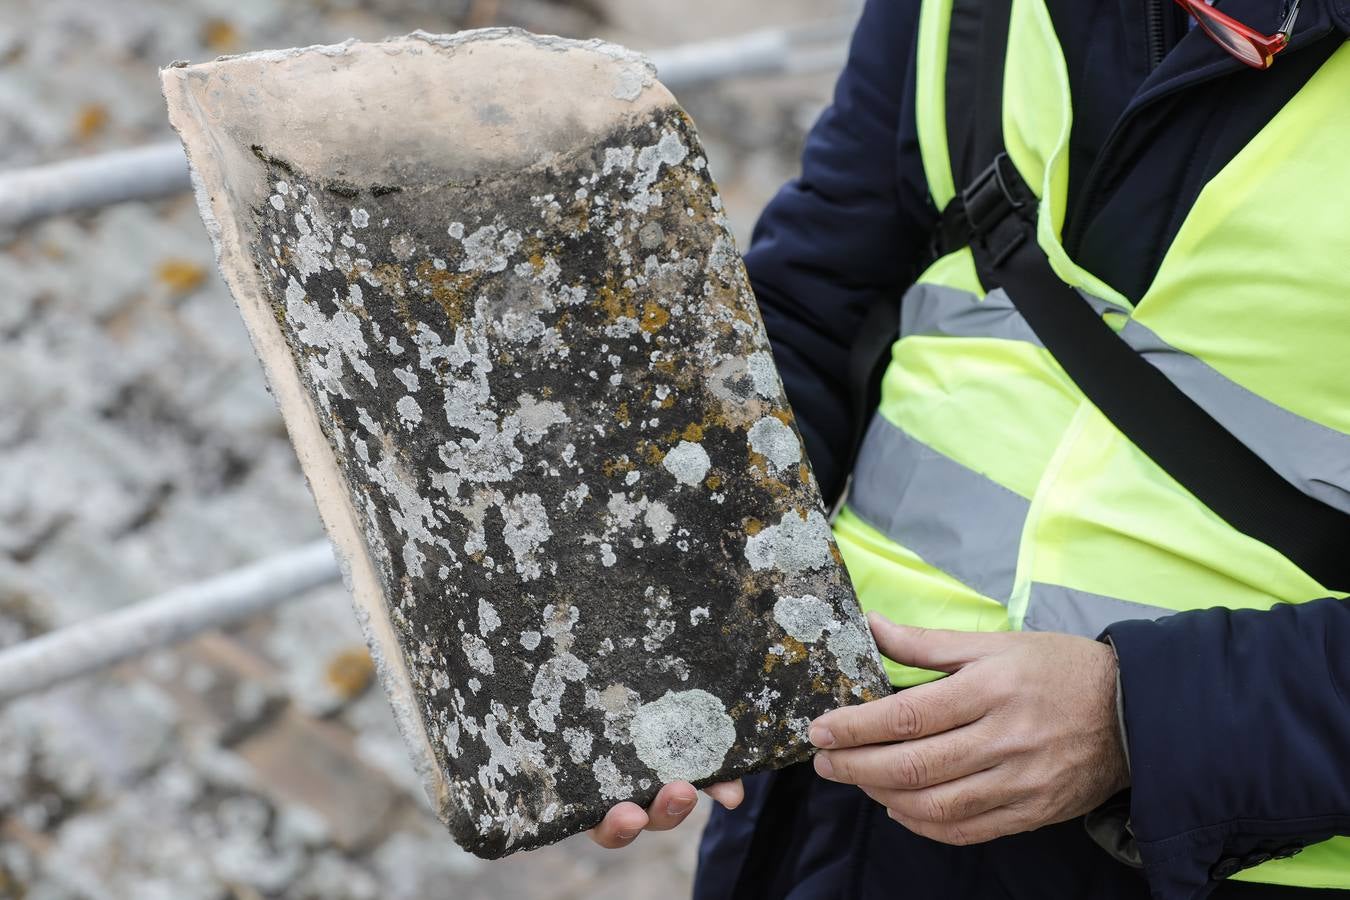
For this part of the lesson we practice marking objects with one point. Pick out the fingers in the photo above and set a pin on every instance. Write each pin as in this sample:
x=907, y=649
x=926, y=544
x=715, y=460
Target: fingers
x=927, y=648
x=995, y=823
x=913, y=713
x=913, y=765
x=728, y=793
x=620, y=827
x=949, y=803
x=672, y=804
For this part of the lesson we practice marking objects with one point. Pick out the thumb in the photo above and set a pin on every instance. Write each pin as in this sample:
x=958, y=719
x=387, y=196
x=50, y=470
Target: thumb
x=931, y=648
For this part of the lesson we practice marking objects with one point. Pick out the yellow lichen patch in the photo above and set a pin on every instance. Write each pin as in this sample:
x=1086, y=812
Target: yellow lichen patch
x=794, y=651
x=804, y=472
x=578, y=219
x=782, y=415
x=621, y=414
x=713, y=482
x=390, y=278
x=790, y=651
x=692, y=432
x=450, y=290
x=350, y=672
x=219, y=35
x=867, y=694
x=654, y=317
x=753, y=527
x=615, y=467
x=616, y=302
x=651, y=454
x=180, y=276
x=664, y=366
x=668, y=402
x=90, y=120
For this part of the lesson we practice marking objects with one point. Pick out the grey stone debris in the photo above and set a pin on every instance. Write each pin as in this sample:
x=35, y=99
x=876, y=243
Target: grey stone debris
x=490, y=281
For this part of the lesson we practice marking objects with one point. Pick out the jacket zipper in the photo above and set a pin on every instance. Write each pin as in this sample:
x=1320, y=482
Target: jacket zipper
x=1156, y=45
x=1157, y=36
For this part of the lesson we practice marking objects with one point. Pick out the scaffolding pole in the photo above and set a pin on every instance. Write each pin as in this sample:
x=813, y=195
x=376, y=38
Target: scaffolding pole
x=160, y=170
x=145, y=173
x=103, y=641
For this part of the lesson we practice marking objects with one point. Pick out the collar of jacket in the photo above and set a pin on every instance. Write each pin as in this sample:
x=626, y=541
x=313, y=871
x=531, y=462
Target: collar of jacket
x=1197, y=58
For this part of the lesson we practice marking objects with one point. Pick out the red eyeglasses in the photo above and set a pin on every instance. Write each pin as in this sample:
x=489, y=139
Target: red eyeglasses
x=1246, y=44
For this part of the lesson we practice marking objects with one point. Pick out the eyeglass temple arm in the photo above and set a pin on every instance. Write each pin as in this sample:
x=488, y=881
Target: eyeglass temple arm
x=1287, y=26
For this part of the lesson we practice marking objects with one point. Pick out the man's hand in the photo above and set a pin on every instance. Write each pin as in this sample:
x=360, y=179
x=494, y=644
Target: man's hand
x=1022, y=734
x=623, y=823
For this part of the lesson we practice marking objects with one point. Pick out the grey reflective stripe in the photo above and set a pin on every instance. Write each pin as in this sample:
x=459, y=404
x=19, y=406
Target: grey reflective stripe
x=1308, y=454
x=1054, y=608
x=954, y=518
x=935, y=309
x=932, y=309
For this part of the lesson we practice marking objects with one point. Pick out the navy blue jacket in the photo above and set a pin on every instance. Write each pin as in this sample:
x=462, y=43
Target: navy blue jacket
x=1238, y=722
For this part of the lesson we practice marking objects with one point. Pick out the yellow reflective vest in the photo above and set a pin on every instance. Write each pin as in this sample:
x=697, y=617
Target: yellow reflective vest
x=990, y=494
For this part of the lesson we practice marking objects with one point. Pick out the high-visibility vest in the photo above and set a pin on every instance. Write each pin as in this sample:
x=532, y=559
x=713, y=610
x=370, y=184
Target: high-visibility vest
x=989, y=494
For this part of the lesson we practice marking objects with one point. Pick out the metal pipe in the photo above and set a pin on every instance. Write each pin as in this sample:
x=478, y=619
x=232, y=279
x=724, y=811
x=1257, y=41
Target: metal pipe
x=796, y=50
x=145, y=173
x=160, y=170
x=103, y=641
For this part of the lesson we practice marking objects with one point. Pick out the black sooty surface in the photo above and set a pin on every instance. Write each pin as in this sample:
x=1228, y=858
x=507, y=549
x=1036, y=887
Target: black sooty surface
x=579, y=479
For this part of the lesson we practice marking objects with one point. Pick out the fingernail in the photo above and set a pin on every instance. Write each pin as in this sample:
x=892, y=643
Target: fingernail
x=627, y=835
x=823, y=766
x=820, y=736
x=679, y=807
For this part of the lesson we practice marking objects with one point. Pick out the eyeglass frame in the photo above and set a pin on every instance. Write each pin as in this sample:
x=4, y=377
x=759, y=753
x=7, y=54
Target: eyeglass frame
x=1266, y=46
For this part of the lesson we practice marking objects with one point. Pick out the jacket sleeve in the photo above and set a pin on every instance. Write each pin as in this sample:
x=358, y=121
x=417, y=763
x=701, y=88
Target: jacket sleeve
x=1238, y=726
x=846, y=234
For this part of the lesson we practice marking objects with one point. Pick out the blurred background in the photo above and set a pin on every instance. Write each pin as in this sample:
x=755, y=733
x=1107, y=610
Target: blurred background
x=140, y=452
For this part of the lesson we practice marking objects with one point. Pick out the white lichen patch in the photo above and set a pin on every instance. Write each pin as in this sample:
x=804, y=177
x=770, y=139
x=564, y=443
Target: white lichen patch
x=796, y=544
x=660, y=520
x=804, y=618
x=852, y=646
x=683, y=735
x=550, y=681
x=477, y=653
x=579, y=744
x=525, y=530
x=764, y=374
x=777, y=443
x=409, y=412
x=688, y=462
x=488, y=620
x=338, y=335
x=613, y=784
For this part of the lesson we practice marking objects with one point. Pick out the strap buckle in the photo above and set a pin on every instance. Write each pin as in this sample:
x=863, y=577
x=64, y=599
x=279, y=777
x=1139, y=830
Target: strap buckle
x=989, y=200
x=999, y=210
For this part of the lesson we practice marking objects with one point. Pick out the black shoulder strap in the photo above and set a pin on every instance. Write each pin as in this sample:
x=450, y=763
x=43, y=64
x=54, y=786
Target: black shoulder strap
x=1162, y=421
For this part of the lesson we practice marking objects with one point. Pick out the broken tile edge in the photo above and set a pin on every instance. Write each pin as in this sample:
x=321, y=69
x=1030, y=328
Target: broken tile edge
x=317, y=459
